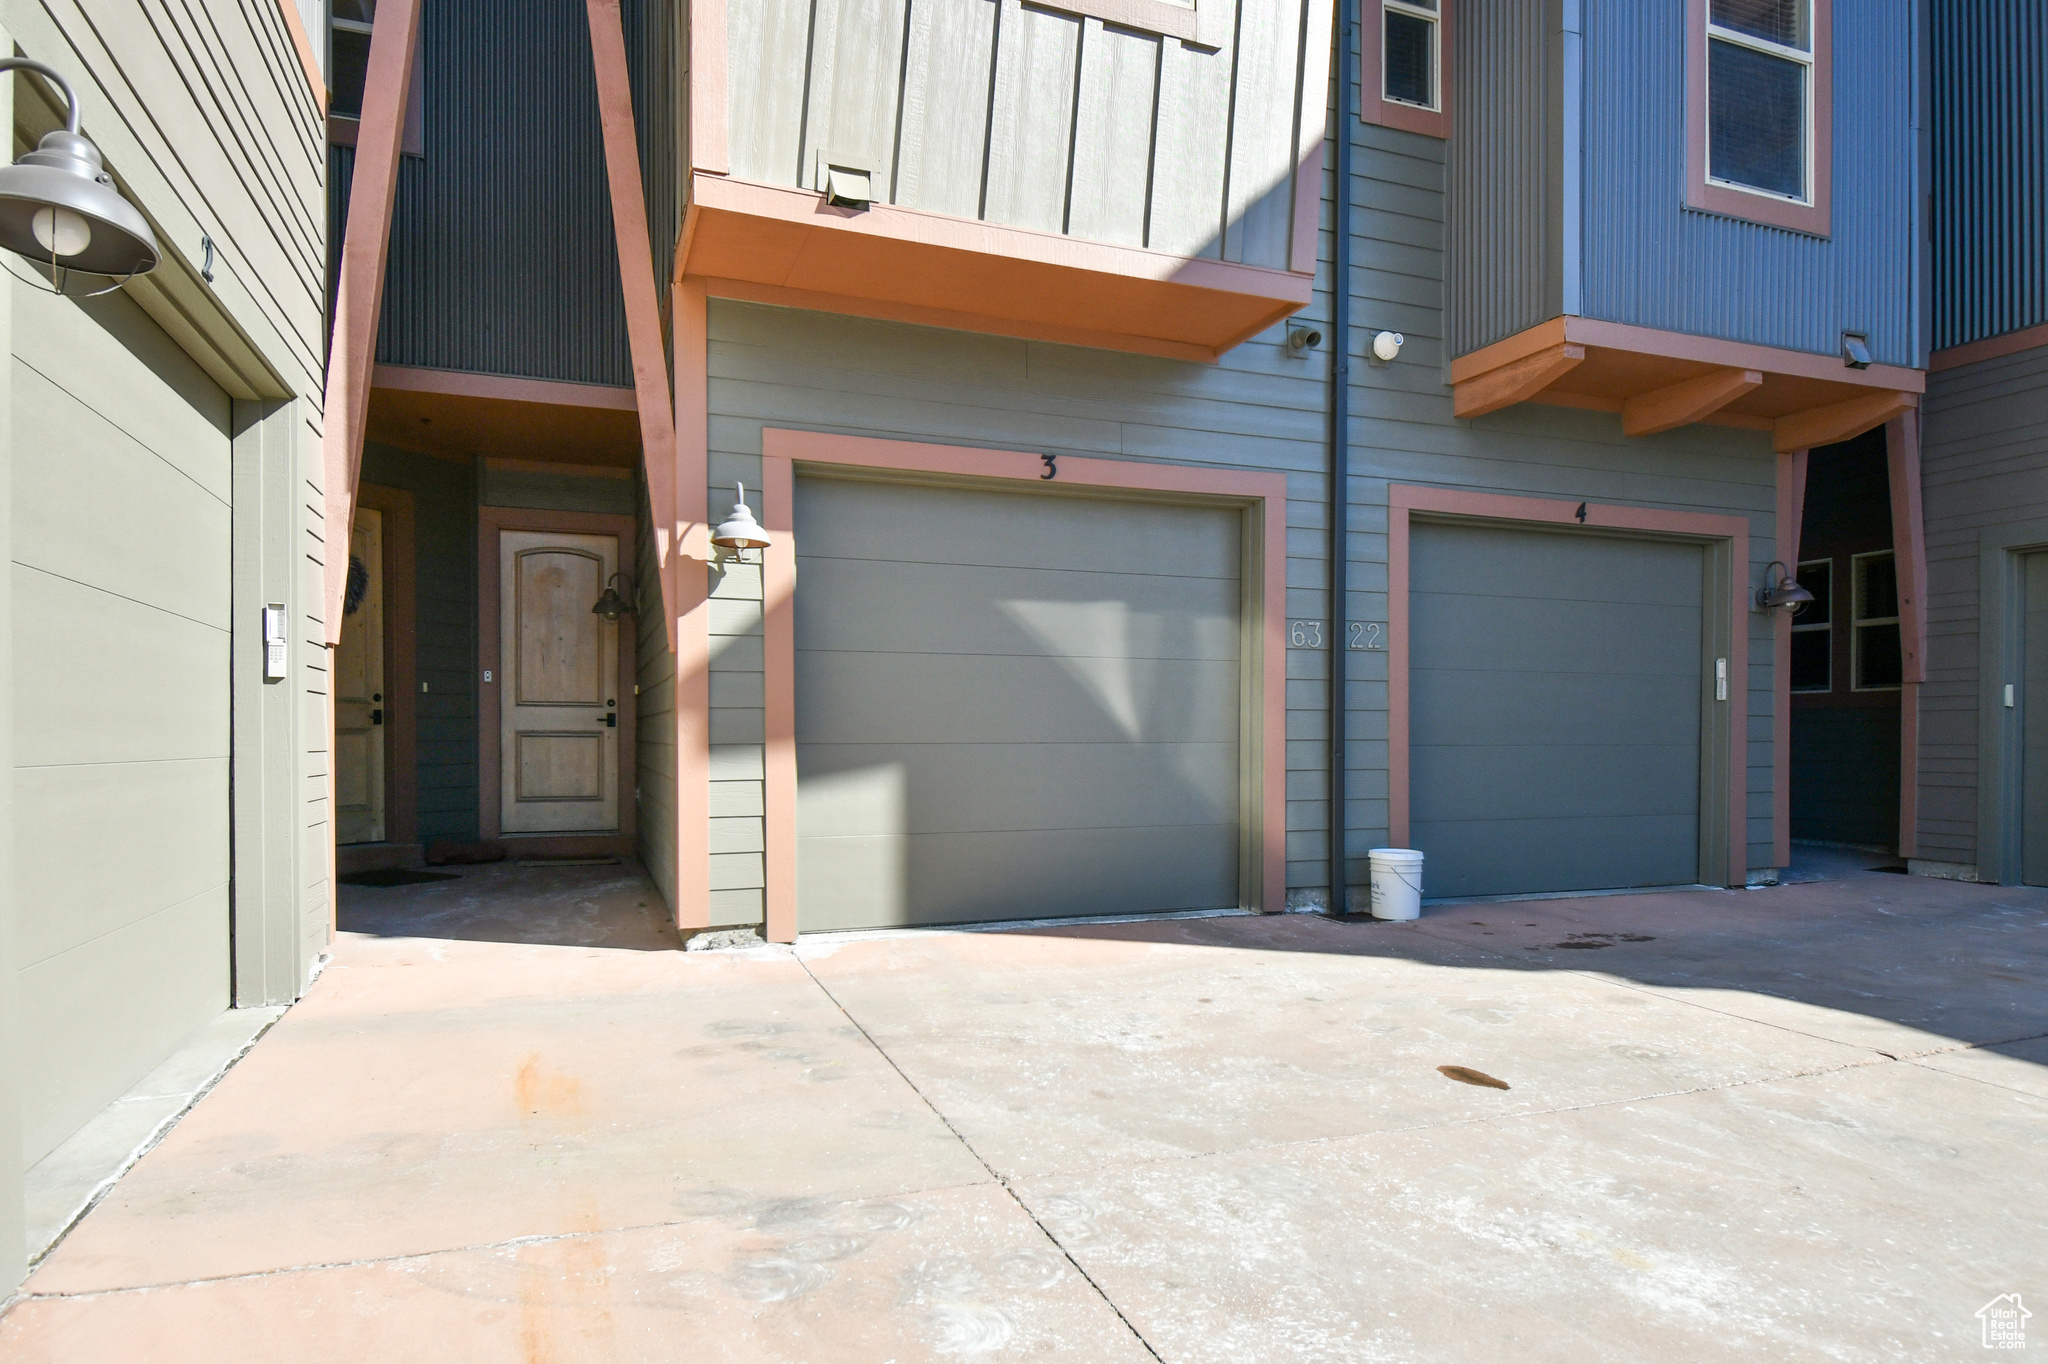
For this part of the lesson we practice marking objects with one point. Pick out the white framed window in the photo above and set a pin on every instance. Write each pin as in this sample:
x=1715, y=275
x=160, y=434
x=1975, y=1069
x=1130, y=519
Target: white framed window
x=1411, y=53
x=1813, y=630
x=1874, y=643
x=1760, y=97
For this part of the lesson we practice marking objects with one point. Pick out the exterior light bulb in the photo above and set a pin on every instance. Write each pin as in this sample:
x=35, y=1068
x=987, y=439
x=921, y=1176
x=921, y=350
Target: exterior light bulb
x=61, y=232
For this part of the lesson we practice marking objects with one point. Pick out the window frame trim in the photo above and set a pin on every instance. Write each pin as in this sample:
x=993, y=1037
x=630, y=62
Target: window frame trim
x=1374, y=107
x=1857, y=621
x=1816, y=627
x=1707, y=195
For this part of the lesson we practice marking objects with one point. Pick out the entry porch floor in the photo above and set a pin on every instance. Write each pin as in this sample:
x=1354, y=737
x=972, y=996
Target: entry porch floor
x=511, y=1122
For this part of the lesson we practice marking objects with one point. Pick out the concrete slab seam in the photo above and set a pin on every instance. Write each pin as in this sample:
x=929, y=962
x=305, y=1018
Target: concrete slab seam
x=1000, y=1182
x=149, y=1142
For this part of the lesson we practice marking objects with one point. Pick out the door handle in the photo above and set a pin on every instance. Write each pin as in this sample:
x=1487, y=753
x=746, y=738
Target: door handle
x=376, y=717
x=610, y=721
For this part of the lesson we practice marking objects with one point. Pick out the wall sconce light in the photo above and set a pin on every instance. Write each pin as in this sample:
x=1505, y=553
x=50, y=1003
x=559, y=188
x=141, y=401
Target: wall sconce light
x=740, y=532
x=1387, y=345
x=1785, y=591
x=611, y=605
x=1856, y=350
x=59, y=206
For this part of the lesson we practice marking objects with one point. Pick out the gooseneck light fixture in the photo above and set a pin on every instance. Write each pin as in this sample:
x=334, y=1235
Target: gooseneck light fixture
x=610, y=604
x=59, y=206
x=740, y=532
x=1782, y=591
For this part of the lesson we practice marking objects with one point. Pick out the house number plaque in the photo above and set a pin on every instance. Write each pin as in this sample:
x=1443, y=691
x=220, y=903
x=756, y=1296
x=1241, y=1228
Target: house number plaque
x=1365, y=635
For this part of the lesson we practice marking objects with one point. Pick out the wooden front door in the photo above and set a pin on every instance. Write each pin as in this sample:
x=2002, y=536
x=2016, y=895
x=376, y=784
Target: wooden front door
x=559, y=694
x=359, y=689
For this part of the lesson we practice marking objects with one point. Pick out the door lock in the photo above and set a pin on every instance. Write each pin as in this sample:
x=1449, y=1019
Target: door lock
x=376, y=717
x=610, y=721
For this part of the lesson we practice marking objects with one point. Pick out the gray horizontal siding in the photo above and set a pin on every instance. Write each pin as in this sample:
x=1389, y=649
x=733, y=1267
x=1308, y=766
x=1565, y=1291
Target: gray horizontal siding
x=1984, y=463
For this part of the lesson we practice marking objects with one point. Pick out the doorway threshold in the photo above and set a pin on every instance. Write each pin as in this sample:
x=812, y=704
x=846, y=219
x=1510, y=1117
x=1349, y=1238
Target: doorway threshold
x=1564, y=895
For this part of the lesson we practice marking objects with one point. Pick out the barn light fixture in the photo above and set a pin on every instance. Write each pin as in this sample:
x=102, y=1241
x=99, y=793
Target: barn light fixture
x=59, y=206
x=740, y=532
x=1785, y=591
x=611, y=605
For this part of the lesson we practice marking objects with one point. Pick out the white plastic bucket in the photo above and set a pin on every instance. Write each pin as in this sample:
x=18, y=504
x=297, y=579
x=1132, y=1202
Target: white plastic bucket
x=1396, y=883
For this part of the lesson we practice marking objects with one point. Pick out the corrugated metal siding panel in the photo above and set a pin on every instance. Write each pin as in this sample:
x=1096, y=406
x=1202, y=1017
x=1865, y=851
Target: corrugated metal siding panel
x=1989, y=64
x=1503, y=213
x=1651, y=262
x=1984, y=462
x=652, y=57
x=502, y=254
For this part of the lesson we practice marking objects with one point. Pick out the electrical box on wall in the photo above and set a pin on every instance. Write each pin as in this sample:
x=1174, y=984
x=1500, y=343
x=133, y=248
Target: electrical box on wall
x=273, y=642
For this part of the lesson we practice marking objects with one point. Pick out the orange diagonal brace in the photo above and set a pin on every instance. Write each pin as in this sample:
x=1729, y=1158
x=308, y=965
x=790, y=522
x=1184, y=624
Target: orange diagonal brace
x=359, y=285
x=637, y=282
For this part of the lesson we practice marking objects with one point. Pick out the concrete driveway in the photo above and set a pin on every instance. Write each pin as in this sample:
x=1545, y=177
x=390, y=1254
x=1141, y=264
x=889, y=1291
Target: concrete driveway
x=511, y=1123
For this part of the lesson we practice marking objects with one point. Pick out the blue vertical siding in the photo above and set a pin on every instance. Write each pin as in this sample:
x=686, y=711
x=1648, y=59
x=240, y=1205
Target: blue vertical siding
x=1989, y=68
x=1650, y=261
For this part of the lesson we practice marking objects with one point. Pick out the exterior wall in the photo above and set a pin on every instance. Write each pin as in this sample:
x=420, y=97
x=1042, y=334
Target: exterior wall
x=503, y=258
x=1984, y=464
x=1032, y=117
x=162, y=430
x=1651, y=262
x=1568, y=194
x=1258, y=409
x=1505, y=214
x=1989, y=61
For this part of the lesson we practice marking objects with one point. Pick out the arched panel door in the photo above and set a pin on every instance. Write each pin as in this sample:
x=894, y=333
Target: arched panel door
x=558, y=692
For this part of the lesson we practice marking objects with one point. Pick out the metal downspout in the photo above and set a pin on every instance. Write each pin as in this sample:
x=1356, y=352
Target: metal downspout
x=1340, y=448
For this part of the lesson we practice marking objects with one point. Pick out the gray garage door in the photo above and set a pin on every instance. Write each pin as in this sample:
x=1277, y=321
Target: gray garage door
x=1555, y=687
x=1012, y=705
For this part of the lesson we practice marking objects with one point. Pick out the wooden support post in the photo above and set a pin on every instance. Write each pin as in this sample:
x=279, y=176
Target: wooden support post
x=1683, y=403
x=690, y=608
x=1791, y=512
x=1909, y=546
x=359, y=286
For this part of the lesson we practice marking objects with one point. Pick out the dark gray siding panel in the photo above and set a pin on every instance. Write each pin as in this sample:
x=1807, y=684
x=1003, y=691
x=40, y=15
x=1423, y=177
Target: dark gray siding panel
x=1984, y=464
x=1989, y=68
x=1649, y=261
x=1503, y=205
x=1845, y=776
x=444, y=556
x=502, y=253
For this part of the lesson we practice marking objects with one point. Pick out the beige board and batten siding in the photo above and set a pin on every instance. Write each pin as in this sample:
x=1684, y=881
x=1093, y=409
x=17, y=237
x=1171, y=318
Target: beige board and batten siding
x=1034, y=118
x=1984, y=471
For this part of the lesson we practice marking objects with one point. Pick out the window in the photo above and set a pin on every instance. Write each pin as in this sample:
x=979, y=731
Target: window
x=1406, y=67
x=1813, y=629
x=1758, y=119
x=1874, y=647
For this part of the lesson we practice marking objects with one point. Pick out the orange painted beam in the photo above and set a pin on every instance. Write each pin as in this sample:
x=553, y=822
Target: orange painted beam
x=1909, y=544
x=359, y=289
x=1687, y=401
x=303, y=45
x=637, y=280
x=1839, y=421
x=1517, y=381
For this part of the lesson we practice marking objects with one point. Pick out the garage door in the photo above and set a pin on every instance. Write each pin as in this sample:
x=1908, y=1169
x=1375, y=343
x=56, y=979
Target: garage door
x=1012, y=705
x=1555, y=689
x=2033, y=710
